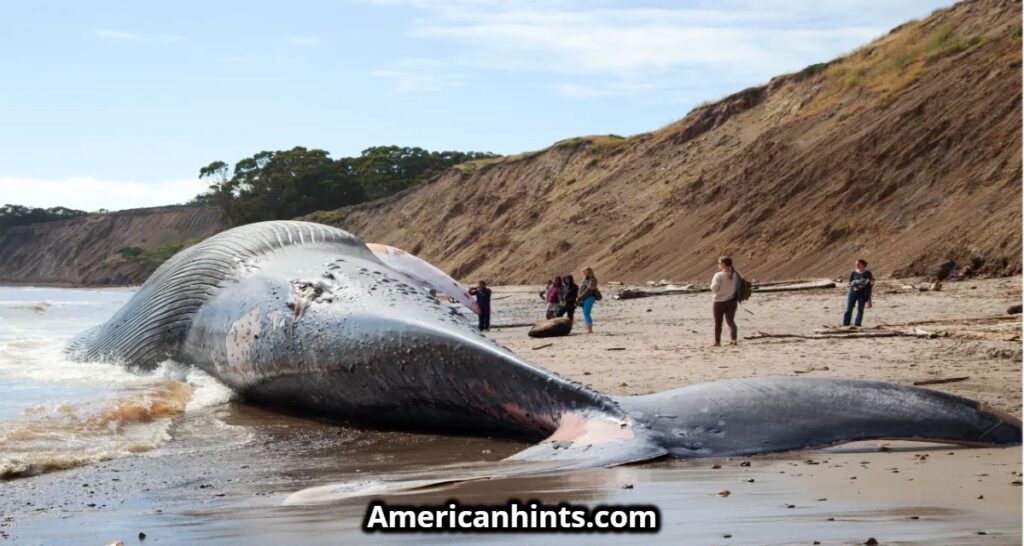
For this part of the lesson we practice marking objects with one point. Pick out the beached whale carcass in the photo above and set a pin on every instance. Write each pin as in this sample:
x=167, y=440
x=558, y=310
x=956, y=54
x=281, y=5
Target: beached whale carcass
x=304, y=316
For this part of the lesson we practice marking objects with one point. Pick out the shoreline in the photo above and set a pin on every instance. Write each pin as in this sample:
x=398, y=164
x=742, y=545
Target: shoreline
x=223, y=475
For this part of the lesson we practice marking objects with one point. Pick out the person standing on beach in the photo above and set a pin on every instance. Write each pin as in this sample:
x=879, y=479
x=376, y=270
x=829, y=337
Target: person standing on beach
x=552, y=297
x=568, y=297
x=723, y=297
x=861, y=281
x=483, y=300
x=588, y=294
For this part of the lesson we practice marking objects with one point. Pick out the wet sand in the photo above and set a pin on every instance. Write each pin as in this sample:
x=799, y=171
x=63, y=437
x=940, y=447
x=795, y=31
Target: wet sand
x=223, y=477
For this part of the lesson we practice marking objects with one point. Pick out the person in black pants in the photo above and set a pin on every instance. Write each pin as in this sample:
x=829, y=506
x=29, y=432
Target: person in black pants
x=483, y=300
x=567, y=296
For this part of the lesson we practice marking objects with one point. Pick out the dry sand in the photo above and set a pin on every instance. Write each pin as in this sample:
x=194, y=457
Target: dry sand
x=665, y=340
x=227, y=488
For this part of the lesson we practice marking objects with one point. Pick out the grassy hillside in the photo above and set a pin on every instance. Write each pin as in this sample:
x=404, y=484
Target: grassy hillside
x=905, y=152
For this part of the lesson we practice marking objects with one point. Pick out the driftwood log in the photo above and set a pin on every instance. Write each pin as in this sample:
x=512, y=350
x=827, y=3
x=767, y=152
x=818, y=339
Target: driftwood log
x=777, y=286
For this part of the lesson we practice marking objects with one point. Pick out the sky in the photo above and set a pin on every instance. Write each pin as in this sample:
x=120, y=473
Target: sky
x=118, y=104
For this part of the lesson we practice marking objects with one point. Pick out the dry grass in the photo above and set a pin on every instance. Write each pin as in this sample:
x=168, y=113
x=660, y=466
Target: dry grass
x=895, y=62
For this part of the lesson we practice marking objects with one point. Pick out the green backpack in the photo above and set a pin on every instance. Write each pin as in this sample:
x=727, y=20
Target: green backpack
x=743, y=289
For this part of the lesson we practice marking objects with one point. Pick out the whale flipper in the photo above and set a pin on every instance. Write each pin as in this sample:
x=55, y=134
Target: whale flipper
x=583, y=440
x=773, y=414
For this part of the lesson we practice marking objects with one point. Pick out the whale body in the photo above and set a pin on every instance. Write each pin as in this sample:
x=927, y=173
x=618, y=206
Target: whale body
x=305, y=317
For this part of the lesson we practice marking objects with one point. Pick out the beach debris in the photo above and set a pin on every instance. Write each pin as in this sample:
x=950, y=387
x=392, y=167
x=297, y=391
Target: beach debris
x=142, y=535
x=727, y=535
x=545, y=346
x=930, y=286
x=942, y=380
x=942, y=271
x=1014, y=309
x=745, y=463
x=716, y=466
x=871, y=541
x=555, y=327
x=627, y=486
x=675, y=290
x=635, y=293
x=809, y=370
x=724, y=493
x=794, y=286
x=615, y=349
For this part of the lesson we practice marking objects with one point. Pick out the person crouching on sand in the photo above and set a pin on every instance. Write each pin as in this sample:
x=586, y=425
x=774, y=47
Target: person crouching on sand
x=723, y=297
x=567, y=298
x=588, y=294
x=483, y=300
x=861, y=281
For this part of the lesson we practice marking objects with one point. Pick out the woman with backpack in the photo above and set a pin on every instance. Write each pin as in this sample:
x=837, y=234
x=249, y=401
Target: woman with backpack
x=588, y=294
x=723, y=297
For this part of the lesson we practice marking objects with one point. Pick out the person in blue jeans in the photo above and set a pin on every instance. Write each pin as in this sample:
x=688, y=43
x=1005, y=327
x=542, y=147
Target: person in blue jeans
x=859, y=294
x=587, y=296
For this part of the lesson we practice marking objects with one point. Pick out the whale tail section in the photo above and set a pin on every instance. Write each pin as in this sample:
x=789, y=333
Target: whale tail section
x=775, y=414
x=725, y=418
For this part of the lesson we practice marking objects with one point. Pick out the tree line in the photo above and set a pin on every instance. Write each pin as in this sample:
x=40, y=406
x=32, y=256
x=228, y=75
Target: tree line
x=19, y=215
x=290, y=183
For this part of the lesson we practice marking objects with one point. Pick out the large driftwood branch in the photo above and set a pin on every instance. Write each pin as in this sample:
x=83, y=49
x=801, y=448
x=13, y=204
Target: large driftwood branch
x=776, y=286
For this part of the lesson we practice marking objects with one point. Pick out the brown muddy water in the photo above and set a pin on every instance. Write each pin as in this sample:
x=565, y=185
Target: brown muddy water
x=168, y=454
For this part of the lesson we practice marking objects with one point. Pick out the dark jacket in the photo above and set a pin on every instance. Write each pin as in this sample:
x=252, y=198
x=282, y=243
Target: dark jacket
x=861, y=283
x=567, y=295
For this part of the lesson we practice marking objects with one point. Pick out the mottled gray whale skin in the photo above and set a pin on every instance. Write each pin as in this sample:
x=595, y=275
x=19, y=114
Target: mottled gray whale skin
x=303, y=316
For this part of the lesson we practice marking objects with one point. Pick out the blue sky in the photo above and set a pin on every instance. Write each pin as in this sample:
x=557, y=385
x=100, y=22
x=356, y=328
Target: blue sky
x=118, y=104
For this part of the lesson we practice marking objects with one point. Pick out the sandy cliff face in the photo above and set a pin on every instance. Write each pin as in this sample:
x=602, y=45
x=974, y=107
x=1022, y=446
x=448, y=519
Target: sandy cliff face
x=83, y=251
x=906, y=152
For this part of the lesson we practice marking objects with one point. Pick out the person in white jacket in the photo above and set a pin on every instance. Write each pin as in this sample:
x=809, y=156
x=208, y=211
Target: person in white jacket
x=723, y=297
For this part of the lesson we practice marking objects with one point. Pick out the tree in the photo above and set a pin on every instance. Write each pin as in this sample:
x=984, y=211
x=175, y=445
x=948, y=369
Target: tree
x=290, y=183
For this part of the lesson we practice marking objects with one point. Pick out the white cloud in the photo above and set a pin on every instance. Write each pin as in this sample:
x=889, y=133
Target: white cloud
x=417, y=76
x=639, y=50
x=114, y=35
x=87, y=193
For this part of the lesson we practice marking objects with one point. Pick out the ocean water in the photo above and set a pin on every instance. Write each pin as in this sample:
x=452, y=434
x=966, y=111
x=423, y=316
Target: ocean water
x=55, y=413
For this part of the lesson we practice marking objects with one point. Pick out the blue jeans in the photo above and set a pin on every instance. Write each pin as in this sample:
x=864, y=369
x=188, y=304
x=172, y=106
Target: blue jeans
x=858, y=298
x=588, y=304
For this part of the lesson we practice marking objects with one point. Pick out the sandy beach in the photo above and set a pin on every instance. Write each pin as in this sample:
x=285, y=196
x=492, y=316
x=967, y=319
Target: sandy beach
x=223, y=477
